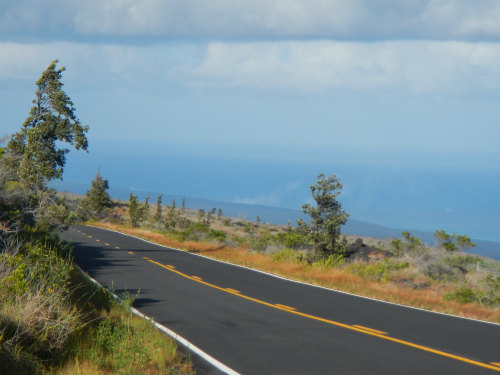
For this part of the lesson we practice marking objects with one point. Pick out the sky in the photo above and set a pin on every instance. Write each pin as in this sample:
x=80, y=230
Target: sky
x=248, y=100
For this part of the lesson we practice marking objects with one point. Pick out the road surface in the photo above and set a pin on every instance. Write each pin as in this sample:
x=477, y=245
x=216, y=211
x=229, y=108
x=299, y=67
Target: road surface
x=259, y=324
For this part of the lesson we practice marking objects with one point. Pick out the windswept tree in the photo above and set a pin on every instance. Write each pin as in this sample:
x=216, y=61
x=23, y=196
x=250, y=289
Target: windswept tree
x=37, y=153
x=408, y=244
x=326, y=218
x=452, y=242
x=96, y=201
x=51, y=123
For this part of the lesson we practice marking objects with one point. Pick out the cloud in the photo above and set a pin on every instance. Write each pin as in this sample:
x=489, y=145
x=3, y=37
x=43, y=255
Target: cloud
x=91, y=63
x=307, y=66
x=455, y=67
x=253, y=19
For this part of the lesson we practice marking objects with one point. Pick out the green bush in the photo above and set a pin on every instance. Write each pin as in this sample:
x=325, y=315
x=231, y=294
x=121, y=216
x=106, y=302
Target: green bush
x=117, y=347
x=37, y=316
x=291, y=240
x=462, y=295
x=493, y=284
x=42, y=261
x=489, y=297
x=200, y=232
x=261, y=242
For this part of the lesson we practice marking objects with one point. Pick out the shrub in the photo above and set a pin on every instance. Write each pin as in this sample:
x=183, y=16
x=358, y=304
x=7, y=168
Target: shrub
x=37, y=317
x=440, y=272
x=248, y=228
x=408, y=244
x=124, y=344
x=493, y=284
x=291, y=240
x=462, y=295
x=200, y=232
x=260, y=243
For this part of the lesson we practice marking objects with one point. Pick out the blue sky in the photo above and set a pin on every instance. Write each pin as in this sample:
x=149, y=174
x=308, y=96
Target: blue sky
x=356, y=86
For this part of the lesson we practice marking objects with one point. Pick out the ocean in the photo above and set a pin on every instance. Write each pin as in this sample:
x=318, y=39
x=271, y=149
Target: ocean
x=462, y=199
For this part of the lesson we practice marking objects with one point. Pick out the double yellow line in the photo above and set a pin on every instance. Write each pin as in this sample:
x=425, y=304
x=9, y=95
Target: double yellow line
x=358, y=328
x=367, y=331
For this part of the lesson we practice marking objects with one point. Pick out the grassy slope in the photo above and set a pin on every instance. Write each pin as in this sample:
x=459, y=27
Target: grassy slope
x=53, y=320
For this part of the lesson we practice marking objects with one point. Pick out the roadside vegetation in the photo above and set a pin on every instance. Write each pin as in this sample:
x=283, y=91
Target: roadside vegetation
x=52, y=319
x=402, y=270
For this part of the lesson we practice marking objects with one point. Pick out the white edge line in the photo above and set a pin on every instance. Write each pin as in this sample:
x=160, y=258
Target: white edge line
x=302, y=282
x=188, y=345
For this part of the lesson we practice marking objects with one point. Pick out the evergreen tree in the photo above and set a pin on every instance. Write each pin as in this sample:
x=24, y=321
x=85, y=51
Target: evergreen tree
x=36, y=154
x=138, y=212
x=172, y=217
x=326, y=218
x=158, y=208
x=51, y=122
x=145, y=208
x=452, y=242
x=133, y=210
x=97, y=199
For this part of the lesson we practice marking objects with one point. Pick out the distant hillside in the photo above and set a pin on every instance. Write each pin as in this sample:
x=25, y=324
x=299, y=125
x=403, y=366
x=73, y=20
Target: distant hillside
x=275, y=215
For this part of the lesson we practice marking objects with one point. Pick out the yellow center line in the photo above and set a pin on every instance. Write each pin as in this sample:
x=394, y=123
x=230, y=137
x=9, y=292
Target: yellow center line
x=197, y=278
x=107, y=244
x=495, y=363
x=146, y=258
x=97, y=240
x=370, y=329
x=130, y=252
x=285, y=307
x=232, y=290
x=117, y=247
x=170, y=266
x=338, y=324
x=90, y=236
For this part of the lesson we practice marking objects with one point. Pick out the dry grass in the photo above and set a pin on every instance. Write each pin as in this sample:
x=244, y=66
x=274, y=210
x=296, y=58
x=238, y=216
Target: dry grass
x=430, y=298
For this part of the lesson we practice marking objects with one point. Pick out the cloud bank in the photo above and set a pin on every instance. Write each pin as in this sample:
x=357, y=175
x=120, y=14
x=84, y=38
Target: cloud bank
x=314, y=66
x=253, y=19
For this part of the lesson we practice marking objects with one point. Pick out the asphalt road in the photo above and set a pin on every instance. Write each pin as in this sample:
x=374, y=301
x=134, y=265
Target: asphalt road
x=259, y=324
